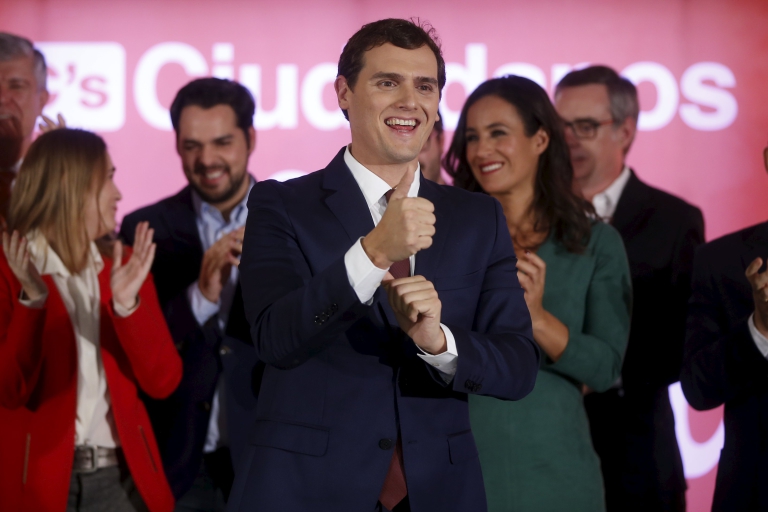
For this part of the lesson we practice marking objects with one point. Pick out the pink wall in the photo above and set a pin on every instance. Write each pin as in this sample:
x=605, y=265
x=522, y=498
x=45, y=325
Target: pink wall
x=701, y=67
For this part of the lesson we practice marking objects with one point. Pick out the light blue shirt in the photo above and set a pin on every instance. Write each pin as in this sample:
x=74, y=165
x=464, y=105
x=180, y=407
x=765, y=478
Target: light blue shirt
x=211, y=226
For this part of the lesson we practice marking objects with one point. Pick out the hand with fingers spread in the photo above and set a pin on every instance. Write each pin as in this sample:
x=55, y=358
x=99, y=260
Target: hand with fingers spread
x=217, y=264
x=406, y=227
x=759, y=283
x=17, y=253
x=49, y=124
x=126, y=279
x=417, y=309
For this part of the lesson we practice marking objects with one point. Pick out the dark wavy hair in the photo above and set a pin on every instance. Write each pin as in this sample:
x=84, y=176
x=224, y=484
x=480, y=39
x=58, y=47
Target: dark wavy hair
x=555, y=206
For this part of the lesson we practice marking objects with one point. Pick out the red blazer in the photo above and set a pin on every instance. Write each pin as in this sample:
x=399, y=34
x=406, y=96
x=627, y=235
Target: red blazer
x=38, y=392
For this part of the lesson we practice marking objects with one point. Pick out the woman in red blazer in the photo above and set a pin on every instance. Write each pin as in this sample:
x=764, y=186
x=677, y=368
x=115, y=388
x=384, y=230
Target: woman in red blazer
x=81, y=332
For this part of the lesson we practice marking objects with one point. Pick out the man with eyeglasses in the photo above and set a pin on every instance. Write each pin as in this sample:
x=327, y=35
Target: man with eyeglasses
x=633, y=428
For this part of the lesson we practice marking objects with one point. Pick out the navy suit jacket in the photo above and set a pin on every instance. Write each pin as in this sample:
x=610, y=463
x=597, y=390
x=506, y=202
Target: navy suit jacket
x=181, y=421
x=724, y=366
x=342, y=380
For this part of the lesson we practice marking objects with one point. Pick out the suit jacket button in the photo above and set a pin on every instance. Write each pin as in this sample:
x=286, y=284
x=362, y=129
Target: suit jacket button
x=385, y=444
x=469, y=384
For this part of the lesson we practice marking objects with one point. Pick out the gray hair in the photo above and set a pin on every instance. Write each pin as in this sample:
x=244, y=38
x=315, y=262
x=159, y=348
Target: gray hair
x=14, y=47
x=621, y=92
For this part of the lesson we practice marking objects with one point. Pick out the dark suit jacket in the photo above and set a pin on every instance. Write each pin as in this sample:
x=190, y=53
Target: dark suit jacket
x=181, y=421
x=724, y=366
x=660, y=233
x=342, y=379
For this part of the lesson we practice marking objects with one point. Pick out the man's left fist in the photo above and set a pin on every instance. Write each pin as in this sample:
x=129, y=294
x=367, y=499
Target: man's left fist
x=417, y=308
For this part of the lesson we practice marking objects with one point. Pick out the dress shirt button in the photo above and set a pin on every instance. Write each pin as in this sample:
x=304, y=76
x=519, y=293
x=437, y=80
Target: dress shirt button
x=385, y=444
x=223, y=351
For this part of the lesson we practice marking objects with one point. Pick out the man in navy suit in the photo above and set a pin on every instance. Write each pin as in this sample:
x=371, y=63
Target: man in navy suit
x=202, y=427
x=726, y=358
x=363, y=405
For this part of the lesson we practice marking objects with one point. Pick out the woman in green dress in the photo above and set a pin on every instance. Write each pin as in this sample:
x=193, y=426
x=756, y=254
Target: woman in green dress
x=537, y=453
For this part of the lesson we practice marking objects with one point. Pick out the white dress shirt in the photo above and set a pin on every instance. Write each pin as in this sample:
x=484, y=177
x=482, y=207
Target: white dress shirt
x=94, y=422
x=760, y=340
x=605, y=202
x=211, y=227
x=365, y=277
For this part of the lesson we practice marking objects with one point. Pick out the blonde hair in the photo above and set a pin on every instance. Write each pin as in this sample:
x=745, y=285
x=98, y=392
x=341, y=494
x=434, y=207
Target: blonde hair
x=60, y=170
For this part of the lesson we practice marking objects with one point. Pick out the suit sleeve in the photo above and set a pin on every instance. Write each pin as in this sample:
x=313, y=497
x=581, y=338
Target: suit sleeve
x=665, y=369
x=498, y=357
x=21, y=342
x=594, y=355
x=721, y=361
x=293, y=314
x=147, y=342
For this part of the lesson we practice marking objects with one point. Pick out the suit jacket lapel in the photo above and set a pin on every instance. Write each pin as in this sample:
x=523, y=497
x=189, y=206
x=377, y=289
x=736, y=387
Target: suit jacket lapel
x=345, y=199
x=181, y=223
x=632, y=209
x=756, y=245
x=426, y=260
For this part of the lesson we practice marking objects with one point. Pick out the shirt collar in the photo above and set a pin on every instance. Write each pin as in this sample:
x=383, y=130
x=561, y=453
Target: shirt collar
x=609, y=198
x=203, y=209
x=372, y=186
x=47, y=262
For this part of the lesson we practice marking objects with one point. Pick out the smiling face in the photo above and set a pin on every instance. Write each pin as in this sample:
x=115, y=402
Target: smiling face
x=214, y=153
x=20, y=95
x=502, y=157
x=101, y=205
x=393, y=106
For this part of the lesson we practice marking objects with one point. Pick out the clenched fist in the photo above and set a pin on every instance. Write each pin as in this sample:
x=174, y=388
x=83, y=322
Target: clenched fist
x=417, y=309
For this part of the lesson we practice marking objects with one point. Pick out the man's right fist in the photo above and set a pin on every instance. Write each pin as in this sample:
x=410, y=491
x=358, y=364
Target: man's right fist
x=217, y=264
x=406, y=227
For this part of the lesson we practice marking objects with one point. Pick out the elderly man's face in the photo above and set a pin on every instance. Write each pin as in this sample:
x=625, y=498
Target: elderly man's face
x=20, y=94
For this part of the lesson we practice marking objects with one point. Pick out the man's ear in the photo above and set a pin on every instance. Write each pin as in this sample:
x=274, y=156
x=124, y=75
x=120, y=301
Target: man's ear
x=251, y=140
x=342, y=92
x=765, y=157
x=627, y=131
x=44, y=97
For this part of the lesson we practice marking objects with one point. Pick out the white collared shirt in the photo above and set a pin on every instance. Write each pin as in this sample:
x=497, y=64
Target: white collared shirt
x=365, y=277
x=605, y=202
x=94, y=422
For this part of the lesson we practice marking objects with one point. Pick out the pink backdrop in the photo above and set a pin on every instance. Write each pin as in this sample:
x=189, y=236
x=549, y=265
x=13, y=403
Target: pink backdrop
x=701, y=68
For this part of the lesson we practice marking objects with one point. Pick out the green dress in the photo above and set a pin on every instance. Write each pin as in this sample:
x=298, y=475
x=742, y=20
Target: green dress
x=536, y=453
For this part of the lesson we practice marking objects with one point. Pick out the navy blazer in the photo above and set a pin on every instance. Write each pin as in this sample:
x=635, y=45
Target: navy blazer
x=181, y=421
x=724, y=366
x=342, y=380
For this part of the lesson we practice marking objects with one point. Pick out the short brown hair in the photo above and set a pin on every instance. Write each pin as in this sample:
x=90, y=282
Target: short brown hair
x=408, y=34
x=621, y=92
x=59, y=171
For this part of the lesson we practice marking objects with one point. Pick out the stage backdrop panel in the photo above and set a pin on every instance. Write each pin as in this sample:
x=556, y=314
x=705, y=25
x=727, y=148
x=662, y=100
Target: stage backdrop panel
x=701, y=68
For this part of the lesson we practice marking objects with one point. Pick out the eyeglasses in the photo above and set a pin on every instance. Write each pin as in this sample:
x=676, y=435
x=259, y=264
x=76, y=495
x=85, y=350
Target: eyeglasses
x=585, y=128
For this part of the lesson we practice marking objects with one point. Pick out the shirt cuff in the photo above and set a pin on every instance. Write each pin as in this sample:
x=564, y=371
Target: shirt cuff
x=446, y=362
x=760, y=340
x=38, y=303
x=202, y=308
x=125, y=312
x=363, y=275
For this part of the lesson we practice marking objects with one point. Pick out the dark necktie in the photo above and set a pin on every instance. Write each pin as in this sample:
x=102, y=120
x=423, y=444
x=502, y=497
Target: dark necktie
x=395, y=489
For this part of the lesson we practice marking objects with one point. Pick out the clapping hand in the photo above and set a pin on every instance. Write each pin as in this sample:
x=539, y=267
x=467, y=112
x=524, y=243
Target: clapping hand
x=532, y=273
x=17, y=253
x=217, y=264
x=126, y=279
x=759, y=282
